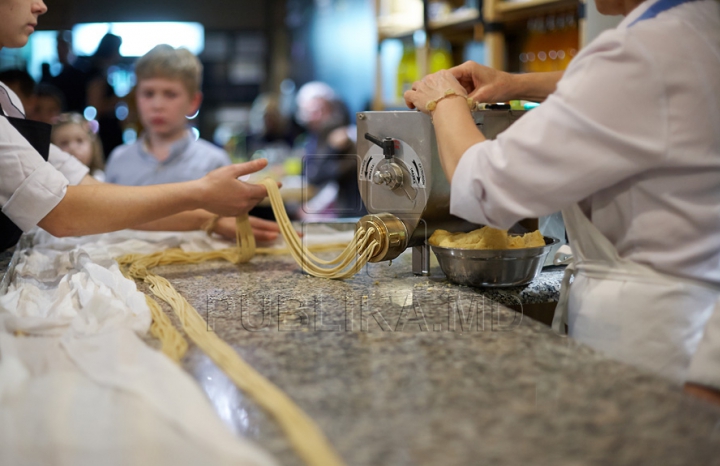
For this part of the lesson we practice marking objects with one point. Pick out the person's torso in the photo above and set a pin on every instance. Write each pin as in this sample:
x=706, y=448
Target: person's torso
x=669, y=217
x=131, y=165
x=35, y=133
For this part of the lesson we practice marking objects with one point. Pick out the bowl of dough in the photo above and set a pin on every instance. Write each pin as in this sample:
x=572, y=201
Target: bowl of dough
x=488, y=257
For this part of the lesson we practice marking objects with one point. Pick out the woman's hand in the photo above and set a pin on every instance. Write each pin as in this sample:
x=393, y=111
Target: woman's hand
x=482, y=83
x=487, y=85
x=265, y=231
x=432, y=88
x=455, y=129
x=221, y=193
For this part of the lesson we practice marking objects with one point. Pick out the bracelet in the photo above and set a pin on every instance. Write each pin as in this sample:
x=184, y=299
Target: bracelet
x=432, y=105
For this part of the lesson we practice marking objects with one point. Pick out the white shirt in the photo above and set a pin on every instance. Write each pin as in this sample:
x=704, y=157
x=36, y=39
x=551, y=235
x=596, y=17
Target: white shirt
x=29, y=187
x=633, y=129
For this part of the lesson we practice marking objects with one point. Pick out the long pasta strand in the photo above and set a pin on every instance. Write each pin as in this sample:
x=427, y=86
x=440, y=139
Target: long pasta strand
x=174, y=346
x=305, y=437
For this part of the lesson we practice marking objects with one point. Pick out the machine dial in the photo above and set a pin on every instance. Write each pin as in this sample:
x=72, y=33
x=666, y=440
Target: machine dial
x=389, y=174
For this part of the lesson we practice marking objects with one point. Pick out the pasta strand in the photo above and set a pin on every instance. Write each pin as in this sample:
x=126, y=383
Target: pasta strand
x=304, y=435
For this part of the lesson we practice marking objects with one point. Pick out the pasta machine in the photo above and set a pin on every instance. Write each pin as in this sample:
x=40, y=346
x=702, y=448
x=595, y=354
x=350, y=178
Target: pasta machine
x=402, y=183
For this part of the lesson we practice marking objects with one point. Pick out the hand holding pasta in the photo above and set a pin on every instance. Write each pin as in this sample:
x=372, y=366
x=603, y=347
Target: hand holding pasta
x=223, y=194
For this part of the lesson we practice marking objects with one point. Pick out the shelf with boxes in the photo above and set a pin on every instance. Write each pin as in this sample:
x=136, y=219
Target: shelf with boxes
x=433, y=35
x=517, y=35
x=532, y=35
x=444, y=16
x=544, y=42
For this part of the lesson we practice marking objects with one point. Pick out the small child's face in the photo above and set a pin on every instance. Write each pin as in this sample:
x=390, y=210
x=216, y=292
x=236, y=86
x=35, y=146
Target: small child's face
x=163, y=105
x=45, y=109
x=75, y=140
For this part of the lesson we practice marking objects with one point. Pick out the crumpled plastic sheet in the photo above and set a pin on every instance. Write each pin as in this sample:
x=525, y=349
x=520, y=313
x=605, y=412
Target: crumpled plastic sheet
x=77, y=384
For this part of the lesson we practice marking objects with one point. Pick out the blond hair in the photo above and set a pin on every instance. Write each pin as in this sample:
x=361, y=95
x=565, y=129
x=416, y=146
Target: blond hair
x=164, y=61
x=97, y=162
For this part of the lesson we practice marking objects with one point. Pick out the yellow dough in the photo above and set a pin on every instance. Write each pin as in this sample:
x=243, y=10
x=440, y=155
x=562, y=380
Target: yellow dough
x=486, y=238
x=305, y=437
x=347, y=264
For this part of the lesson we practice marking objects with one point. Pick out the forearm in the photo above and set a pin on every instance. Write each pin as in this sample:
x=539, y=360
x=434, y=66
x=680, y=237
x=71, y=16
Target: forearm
x=183, y=221
x=455, y=131
x=264, y=230
x=534, y=87
x=100, y=208
x=88, y=180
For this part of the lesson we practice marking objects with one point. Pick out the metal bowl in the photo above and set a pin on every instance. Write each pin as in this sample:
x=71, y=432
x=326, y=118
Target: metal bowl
x=493, y=267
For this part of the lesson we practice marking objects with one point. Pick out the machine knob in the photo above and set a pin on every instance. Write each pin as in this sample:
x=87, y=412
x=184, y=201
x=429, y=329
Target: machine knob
x=380, y=177
x=388, y=174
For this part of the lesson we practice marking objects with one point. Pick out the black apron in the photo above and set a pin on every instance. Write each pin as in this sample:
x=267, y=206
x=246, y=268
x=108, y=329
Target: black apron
x=38, y=135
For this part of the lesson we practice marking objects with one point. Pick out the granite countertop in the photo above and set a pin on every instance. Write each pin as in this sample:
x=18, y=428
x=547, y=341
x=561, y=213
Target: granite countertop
x=405, y=370
x=544, y=289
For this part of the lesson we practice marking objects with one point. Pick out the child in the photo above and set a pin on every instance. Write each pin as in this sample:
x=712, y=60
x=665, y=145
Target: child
x=48, y=104
x=73, y=134
x=168, y=90
x=59, y=198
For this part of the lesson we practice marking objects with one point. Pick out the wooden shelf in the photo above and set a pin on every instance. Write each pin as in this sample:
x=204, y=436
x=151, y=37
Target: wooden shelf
x=396, y=33
x=506, y=7
x=463, y=18
x=396, y=26
x=464, y=25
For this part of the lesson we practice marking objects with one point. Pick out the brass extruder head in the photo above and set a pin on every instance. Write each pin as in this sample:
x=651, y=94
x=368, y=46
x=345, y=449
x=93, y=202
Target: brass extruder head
x=390, y=232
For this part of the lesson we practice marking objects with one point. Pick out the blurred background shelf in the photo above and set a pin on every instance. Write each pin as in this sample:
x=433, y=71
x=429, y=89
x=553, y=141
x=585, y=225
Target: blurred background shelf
x=458, y=19
x=516, y=36
x=508, y=6
x=369, y=52
x=522, y=11
x=396, y=26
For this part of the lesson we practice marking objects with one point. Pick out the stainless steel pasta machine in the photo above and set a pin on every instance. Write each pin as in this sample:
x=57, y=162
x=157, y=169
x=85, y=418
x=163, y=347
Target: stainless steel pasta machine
x=402, y=183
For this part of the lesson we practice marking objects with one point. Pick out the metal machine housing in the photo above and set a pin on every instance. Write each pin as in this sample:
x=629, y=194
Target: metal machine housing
x=407, y=183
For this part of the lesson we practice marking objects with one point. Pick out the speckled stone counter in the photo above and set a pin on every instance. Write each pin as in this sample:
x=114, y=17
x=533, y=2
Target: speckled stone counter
x=405, y=370
x=544, y=289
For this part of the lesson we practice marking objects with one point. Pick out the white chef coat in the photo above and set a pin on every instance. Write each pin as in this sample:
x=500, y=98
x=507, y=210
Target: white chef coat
x=633, y=133
x=29, y=187
x=633, y=129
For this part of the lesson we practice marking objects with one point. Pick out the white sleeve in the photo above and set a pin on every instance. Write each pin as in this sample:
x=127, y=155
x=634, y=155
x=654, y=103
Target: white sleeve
x=73, y=169
x=605, y=123
x=29, y=187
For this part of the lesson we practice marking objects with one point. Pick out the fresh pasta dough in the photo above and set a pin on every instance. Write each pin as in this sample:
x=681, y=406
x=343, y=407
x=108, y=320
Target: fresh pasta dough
x=347, y=264
x=304, y=435
x=306, y=438
x=486, y=238
x=350, y=261
x=173, y=345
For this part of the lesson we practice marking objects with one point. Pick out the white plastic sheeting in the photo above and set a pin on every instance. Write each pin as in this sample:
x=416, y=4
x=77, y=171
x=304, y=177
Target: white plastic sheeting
x=80, y=387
